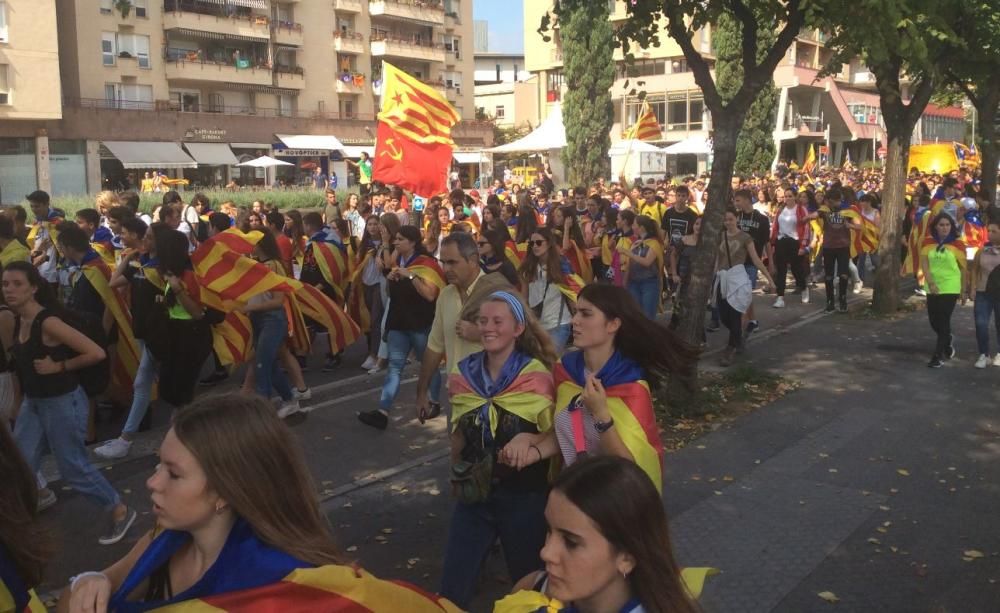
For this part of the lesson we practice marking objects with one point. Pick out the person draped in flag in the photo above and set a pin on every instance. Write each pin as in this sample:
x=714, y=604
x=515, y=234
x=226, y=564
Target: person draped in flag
x=40, y=237
x=116, y=217
x=494, y=256
x=942, y=258
x=101, y=238
x=645, y=265
x=608, y=508
x=564, y=224
x=547, y=280
x=623, y=234
x=871, y=223
x=498, y=396
x=413, y=284
x=603, y=401
x=838, y=223
x=324, y=266
x=232, y=490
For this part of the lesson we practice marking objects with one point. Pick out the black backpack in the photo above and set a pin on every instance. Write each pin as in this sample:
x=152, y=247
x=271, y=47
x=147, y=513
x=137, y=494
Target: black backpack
x=94, y=379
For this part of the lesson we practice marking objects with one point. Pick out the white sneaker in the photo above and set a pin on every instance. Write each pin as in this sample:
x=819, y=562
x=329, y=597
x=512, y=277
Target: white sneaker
x=290, y=407
x=305, y=394
x=369, y=363
x=996, y=360
x=779, y=303
x=983, y=361
x=805, y=296
x=858, y=287
x=114, y=449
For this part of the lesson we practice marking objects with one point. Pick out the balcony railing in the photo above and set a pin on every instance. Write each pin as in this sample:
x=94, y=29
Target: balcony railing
x=430, y=11
x=407, y=47
x=169, y=106
x=201, y=56
x=348, y=42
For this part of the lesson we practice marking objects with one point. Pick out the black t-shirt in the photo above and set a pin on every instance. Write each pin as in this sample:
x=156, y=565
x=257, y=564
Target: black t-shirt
x=758, y=226
x=84, y=300
x=677, y=224
x=408, y=310
x=143, y=298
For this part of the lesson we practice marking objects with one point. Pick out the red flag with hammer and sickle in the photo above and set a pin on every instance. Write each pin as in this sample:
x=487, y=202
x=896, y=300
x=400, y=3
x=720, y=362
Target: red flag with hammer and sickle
x=413, y=148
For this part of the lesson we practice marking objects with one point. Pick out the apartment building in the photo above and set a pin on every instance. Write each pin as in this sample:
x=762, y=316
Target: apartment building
x=192, y=87
x=29, y=92
x=839, y=112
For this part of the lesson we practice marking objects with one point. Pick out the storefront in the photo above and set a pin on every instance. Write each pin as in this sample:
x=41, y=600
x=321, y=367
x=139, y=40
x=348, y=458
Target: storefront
x=214, y=161
x=307, y=152
x=18, y=174
x=123, y=163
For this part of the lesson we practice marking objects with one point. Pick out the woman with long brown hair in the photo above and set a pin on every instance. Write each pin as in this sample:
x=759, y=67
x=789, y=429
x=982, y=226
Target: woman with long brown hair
x=608, y=547
x=24, y=544
x=544, y=274
x=235, y=509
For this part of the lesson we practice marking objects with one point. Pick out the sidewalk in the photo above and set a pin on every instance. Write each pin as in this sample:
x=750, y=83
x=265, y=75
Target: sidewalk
x=876, y=480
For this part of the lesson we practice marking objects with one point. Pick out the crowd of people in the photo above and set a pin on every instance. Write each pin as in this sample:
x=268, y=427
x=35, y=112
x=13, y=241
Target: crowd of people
x=545, y=316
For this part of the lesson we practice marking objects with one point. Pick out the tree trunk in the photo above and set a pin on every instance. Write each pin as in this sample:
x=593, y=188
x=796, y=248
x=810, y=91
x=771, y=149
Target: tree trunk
x=988, y=115
x=886, y=295
x=695, y=293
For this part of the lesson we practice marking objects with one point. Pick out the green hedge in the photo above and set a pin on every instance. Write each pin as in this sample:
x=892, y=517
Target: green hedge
x=283, y=199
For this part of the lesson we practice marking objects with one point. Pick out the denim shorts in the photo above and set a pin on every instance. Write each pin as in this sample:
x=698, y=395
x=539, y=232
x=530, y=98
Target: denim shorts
x=752, y=273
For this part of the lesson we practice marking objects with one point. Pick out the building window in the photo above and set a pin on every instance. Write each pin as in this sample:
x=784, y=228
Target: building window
x=499, y=80
x=136, y=46
x=553, y=89
x=108, y=48
x=106, y=7
x=4, y=38
x=140, y=8
x=284, y=105
x=643, y=69
x=187, y=101
x=346, y=108
x=4, y=84
x=499, y=112
x=127, y=96
x=678, y=65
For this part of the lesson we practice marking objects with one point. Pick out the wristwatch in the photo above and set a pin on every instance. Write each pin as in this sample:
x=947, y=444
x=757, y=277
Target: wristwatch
x=604, y=426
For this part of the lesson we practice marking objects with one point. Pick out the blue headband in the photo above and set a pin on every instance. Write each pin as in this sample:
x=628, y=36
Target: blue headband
x=513, y=302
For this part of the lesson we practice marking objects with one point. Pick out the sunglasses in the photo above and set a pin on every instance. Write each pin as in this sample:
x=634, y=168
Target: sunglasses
x=539, y=243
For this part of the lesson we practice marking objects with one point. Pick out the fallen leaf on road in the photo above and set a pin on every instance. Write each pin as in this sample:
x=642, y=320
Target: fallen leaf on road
x=893, y=490
x=727, y=478
x=874, y=541
x=972, y=554
x=833, y=470
x=829, y=597
x=881, y=530
x=882, y=507
x=893, y=549
x=717, y=493
x=824, y=455
x=903, y=472
x=434, y=491
x=352, y=548
x=386, y=530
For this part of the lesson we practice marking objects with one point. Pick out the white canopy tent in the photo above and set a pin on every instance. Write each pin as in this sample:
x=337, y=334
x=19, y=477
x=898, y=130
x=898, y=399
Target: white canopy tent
x=693, y=145
x=265, y=161
x=550, y=134
x=622, y=147
x=636, y=158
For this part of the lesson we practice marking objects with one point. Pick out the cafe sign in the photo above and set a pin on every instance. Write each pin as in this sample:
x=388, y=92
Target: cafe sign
x=203, y=134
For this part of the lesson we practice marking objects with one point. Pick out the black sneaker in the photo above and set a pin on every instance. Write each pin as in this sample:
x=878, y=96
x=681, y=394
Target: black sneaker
x=829, y=306
x=214, y=378
x=752, y=326
x=332, y=362
x=118, y=529
x=376, y=419
x=713, y=326
x=936, y=362
x=435, y=410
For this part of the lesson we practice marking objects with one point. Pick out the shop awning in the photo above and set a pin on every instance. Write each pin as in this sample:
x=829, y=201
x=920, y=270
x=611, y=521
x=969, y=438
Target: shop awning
x=311, y=141
x=141, y=154
x=355, y=151
x=468, y=157
x=208, y=34
x=250, y=145
x=211, y=154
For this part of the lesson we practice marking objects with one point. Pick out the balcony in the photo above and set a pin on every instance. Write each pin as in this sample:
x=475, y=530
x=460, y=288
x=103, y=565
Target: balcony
x=351, y=83
x=348, y=6
x=385, y=46
x=804, y=124
x=289, y=77
x=349, y=42
x=452, y=20
x=452, y=93
x=427, y=11
x=186, y=70
x=287, y=33
x=254, y=27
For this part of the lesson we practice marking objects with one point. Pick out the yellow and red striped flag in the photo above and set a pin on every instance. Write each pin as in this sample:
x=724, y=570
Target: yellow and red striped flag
x=413, y=147
x=810, y=163
x=647, y=127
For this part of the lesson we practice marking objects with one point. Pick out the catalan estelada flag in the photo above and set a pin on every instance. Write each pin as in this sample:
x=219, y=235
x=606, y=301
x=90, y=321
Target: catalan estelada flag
x=974, y=232
x=523, y=388
x=647, y=126
x=572, y=283
x=515, y=253
x=579, y=261
x=428, y=269
x=250, y=576
x=357, y=307
x=629, y=402
x=103, y=243
x=413, y=148
x=330, y=255
x=956, y=247
x=809, y=165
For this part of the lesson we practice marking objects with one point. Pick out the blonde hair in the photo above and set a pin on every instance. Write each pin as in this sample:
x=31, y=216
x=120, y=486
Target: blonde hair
x=534, y=341
x=106, y=200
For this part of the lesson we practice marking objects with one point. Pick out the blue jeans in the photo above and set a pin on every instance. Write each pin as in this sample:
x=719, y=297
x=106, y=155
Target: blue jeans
x=60, y=423
x=270, y=329
x=142, y=389
x=870, y=257
x=983, y=308
x=752, y=273
x=560, y=336
x=518, y=518
x=401, y=342
x=647, y=294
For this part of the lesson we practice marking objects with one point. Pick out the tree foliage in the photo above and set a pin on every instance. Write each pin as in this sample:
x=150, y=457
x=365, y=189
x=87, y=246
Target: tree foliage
x=905, y=44
x=589, y=70
x=755, y=149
